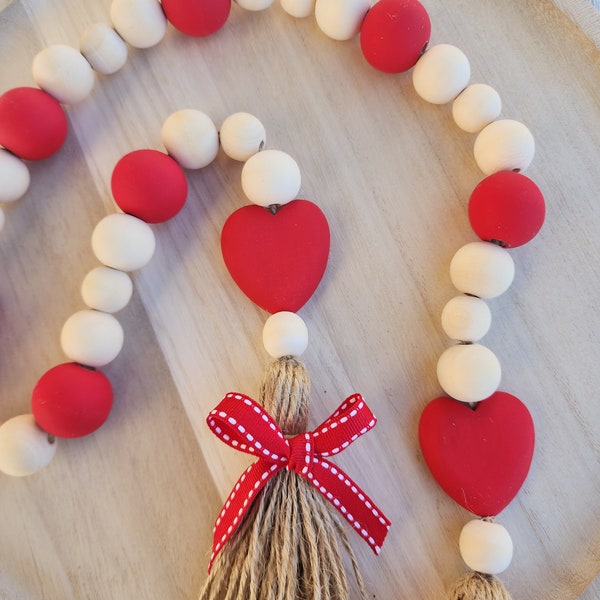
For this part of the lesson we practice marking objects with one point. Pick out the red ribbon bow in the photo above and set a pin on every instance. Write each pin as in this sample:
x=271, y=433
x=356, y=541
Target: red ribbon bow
x=244, y=425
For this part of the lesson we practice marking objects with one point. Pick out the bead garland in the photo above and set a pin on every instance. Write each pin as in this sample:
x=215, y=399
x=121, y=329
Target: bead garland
x=505, y=210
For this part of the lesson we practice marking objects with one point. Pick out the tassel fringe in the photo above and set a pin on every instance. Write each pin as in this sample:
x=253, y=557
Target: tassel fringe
x=478, y=586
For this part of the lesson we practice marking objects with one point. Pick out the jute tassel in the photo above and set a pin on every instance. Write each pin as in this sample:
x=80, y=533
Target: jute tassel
x=478, y=586
x=291, y=545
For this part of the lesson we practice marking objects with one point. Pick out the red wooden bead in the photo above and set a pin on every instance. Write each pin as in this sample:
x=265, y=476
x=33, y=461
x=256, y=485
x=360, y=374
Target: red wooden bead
x=197, y=18
x=394, y=34
x=150, y=185
x=33, y=124
x=71, y=401
x=508, y=208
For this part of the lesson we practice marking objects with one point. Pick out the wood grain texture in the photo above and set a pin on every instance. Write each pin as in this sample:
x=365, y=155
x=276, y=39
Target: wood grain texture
x=127, y=512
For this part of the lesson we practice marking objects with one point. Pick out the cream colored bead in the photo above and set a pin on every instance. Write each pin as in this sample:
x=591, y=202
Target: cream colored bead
x=141, y=23
x=441, y=74
x=298, y=8
x=254, y=5
x=106, y=289
x=14, y=177
x=485, y=547
x=191, y=138
x=504, y=145
x=103, y=48
x=24, y=447
x=482, y=269
x=123, y=242
x=285, y=334
x=476, y=106
x=341, y=19
x=271, y=177
x=92, y=338
x=64, y=73
x=466, y=318
x=469, y=372
x=242, y=135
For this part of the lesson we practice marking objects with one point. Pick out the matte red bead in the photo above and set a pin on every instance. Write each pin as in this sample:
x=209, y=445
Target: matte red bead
x=33, y=124
x=508, y=208
x=197, y=18
x=71, y=401
x=394, y=34
x=150, y=185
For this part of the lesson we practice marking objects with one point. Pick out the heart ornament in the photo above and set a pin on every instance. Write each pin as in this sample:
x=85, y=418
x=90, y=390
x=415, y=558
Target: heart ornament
x=480, y=457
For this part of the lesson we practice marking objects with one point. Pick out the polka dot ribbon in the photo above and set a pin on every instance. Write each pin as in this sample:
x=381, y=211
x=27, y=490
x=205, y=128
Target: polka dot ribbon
x=243, y=424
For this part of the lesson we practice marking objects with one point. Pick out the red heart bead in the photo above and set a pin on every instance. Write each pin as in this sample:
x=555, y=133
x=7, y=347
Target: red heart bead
x=480, y=457
x=277, y=259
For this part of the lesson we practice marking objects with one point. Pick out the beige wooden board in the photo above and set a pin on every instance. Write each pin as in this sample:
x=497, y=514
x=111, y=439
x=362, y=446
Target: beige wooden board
x=127, y=512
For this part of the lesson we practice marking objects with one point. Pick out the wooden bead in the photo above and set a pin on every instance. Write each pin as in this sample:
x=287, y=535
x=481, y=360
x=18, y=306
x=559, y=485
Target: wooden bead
x=441, y=74
x=64, y=73
x=254, y=5
x=103, y=48
x=341, y=19
x=486, y=547
x=482, y=269
x=24, y=447
x=91, y=338
x=469, y=372
x=242, y=135
x=106, y=289
x=476, y=106
x=14, y=177
x=197, y=18
x=123, y=242
x=285, y=334
x=298, y=8
x=141, y=23
x=466, y=318
x=504, y=145
x=271, y=178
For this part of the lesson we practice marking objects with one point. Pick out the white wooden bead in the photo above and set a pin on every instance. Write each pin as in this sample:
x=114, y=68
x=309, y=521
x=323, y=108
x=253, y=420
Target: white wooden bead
x=24, y=447
x=285, y=334
x=141, y=23
x=191, y=138
x=123, y=242
x=482, y=269
x=298, y=8
x=485, y=547
x=271, y=177
x=106, y=289
x=469, y=372
x=341, y=19
x=466, y=318
x=103, y=48
x=504, y=145
x=14, y=177
x=441, y=74
x=254, y=5
x=476, y=106
x=92, y=338
x=242, y=135
x=64, y=73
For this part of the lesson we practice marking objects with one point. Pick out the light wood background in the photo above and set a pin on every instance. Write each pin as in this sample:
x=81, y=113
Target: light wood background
x=127, y=512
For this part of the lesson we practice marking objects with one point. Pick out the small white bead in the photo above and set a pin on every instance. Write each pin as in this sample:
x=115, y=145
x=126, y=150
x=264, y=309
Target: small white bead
x=482, y=269
x=14, y=177
x=254, y=5
x=341, y=19
x=141, y=23
x=123, y=242
x=485, y=547
x=24, y=447
x=469, y=372
x=441, y=74
x=106, y=289
x=504, y=145
x=476, y=106
x=64, y=73
x=103, y=48
x=92, y=338
x=285, y=334
x=191, y=138
x=242, y=135
x=271, y=177
x=298, y=8
x=466, y=318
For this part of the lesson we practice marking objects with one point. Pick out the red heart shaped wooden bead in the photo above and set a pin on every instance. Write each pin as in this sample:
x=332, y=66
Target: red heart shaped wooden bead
x=480, y=457
x=277, y=259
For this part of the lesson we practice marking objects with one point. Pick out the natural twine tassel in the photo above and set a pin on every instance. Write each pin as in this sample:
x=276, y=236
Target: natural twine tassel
x=289, y=546
x=478, y=586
